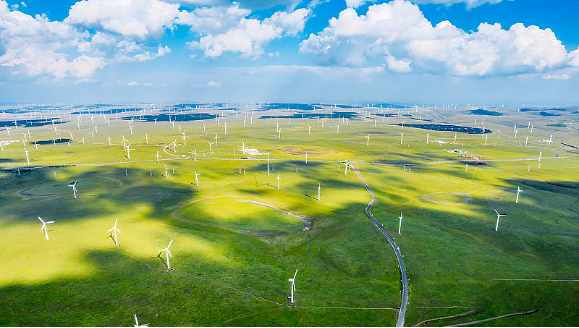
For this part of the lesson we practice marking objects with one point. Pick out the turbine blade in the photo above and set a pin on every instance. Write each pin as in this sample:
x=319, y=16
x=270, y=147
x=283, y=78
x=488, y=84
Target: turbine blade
x=40, y=219
x=170, y=243
x=49, y=222
x=295, y=274
x=496, y=210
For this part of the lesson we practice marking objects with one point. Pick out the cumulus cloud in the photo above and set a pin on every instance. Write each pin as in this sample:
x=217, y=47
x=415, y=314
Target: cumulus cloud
x=213, y=20
x=39, y=47
x=469, y=3
x=291, y=23
x=355, y=3
x=226, y=29
x=129, y=18
x=210, y=84
x=144, y=56
x=398, y=33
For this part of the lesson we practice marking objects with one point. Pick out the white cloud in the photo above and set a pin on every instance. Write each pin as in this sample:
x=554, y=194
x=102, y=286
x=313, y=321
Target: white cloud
x=130, y=18
x=213, y=20
x=132, y=83
x=161, y=51
x=355, y=3
x=469, y=3
x=210, y=84
x=556, y=77
x=291, y=23
x=225, y=29
x=39, y=47
x=398, y=33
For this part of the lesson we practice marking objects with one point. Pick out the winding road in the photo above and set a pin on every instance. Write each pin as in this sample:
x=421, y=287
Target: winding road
x=402, y=312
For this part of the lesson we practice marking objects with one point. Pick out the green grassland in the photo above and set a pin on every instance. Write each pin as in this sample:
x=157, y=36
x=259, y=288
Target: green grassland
x=237, y=238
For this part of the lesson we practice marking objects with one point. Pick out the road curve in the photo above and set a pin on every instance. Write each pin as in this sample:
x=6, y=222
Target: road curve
x=404, y=302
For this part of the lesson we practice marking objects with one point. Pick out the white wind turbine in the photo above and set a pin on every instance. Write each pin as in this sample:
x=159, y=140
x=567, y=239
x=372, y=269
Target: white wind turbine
x=137, y=322
x=293, y=286
x=368, y=140
x=197, y=178
x=278, y=180
x=267, y=164
x=216, y=139
x=498, y=218
x=110, y=143
x=210, y=144
x=168, y=253
x=147, y=139
x=115, y=230
x=129, y=151
x=319, y=191
x=27, y=159
x=518, y=192
x=400, y=224
x=306, y=157
x=73, y=185
x=44, y=226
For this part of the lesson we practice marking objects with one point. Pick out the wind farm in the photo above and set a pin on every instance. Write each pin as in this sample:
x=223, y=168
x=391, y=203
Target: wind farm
x=218, y=209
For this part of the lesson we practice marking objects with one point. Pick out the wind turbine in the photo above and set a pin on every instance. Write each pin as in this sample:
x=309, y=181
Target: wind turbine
x=526, y=141
x=368, y=141
x=27, y=159
x=210, y=144
x=518, y=192
x=278, y=180
x=319, y=191
x=137, y=322
x=166, y=249
x=196, y=178
x=157, y=157
x=129, y=151
x=73, y=185
x=400, y=224
x=498, y=218
x=115, y=230
x=267, y=164
x=216, y=139
x=44, y=226
x=110, y=144
x=293, y=286
x=147, y=139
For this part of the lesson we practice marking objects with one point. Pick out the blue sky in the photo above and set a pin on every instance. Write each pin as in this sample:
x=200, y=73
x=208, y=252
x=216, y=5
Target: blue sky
x=420, y=51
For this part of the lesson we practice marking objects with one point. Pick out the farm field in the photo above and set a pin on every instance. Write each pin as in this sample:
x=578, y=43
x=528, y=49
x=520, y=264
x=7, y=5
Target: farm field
x=239, y=233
